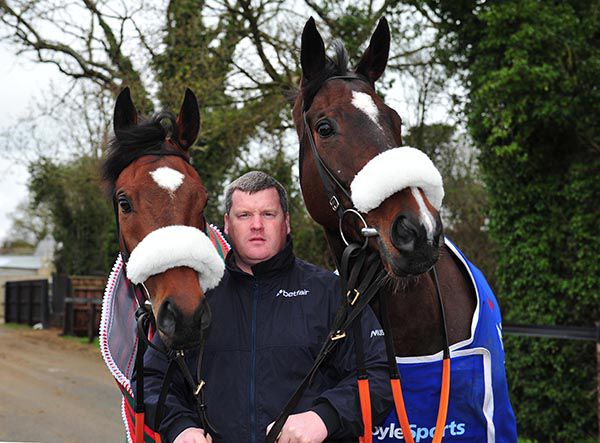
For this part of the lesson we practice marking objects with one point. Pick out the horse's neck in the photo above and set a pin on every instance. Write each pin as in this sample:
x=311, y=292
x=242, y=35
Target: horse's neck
x=414, y=309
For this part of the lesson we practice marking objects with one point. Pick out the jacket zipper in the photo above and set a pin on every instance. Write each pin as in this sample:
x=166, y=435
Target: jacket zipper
x=253, y=366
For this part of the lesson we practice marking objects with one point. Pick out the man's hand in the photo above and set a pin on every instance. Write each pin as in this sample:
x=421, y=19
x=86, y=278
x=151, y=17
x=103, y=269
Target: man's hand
x=306, y=427
x=193, y=435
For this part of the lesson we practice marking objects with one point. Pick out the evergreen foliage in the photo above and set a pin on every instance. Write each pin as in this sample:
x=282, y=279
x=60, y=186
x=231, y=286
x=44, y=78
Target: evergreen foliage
x=82, y=218
x=533, y=73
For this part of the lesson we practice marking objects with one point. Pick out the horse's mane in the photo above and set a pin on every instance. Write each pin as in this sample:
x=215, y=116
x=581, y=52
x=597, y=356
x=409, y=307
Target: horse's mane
x=135, y=141
x=335, y=65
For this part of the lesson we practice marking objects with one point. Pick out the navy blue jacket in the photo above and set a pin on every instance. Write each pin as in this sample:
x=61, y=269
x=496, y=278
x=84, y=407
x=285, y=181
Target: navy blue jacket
x=265, y=333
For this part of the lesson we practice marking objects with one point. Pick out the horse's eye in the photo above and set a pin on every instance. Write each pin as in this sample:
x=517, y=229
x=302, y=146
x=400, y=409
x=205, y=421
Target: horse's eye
x=324, y=129
x=124, y=204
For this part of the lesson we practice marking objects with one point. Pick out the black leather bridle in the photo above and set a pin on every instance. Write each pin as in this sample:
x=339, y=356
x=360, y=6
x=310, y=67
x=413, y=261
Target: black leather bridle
x=146, y=322
x=361, y=275
x=331, y=184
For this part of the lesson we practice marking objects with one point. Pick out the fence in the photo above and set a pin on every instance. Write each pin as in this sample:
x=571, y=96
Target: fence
x=81, y=307
x=27, y=302
x=70, y=302
x=563, y=332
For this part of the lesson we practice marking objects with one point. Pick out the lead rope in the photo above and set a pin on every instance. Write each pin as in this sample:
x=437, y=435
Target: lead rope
x=395, y=375
x=330, y=183
x=364, y=393
x=445, y=391
x=143, y=321
x=139, y=407
x=358, y=299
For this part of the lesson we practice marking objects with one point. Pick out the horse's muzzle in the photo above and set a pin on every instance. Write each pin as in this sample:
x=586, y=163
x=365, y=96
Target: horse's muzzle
x=179, y=331
x=418, y=249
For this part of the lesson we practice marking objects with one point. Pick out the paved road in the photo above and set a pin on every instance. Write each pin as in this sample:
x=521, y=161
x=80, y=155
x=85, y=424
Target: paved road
x=55, y=390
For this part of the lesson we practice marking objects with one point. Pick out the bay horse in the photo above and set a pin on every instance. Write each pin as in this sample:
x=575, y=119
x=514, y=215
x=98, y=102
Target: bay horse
x=362, y=186
x=159, y=201
x=169, y=254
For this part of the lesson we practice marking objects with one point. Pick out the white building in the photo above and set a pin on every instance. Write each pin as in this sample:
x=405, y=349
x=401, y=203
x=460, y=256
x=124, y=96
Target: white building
x=36, y=266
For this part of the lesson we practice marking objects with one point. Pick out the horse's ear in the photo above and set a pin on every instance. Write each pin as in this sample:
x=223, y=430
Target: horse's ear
x=312, y=52
x=125, y=113
x=374, y=59
x=188, y=120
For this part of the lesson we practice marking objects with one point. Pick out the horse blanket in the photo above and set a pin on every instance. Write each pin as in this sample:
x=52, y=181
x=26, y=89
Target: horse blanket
x=479, y=408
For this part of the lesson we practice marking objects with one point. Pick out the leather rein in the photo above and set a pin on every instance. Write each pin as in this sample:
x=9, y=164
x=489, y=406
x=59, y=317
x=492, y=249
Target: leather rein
x=146, y=325
x=361, y=276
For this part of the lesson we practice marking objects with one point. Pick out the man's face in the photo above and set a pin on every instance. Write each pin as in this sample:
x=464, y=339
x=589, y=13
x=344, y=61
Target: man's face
x=256, y=226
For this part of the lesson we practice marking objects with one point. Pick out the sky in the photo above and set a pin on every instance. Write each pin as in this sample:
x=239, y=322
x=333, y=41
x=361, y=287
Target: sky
x=20, y=81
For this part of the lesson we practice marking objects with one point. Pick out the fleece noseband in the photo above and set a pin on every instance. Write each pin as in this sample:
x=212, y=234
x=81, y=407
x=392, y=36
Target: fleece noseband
x=394, y=170
x=173, y=246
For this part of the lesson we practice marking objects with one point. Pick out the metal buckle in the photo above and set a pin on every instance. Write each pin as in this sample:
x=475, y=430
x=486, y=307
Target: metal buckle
x=338, y=335
x=334, y=203
x=356, y=295
x=199, y=387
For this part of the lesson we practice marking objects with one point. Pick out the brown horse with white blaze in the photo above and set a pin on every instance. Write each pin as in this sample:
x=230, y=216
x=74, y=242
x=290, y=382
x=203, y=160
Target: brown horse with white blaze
x=396, y=190
x=159, y=202
x=365, y=188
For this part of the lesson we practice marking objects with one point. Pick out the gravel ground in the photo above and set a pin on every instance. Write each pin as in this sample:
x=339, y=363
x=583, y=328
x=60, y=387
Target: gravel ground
x=54, y=389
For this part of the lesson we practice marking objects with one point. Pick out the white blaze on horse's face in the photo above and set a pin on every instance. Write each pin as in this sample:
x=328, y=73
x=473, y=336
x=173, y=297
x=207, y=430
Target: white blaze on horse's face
x=426, y=217
x=168, y=179
x=363, y=102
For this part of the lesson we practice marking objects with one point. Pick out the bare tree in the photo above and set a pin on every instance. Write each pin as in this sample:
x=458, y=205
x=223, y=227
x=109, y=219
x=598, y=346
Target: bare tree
x=239, y=56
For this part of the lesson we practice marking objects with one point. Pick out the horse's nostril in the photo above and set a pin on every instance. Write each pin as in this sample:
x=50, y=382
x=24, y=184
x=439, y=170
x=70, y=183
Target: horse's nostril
x=438, y=230
x=404, y=233
x=167, y=318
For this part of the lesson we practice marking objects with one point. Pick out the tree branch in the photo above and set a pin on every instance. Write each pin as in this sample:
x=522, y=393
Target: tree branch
x=256, y=38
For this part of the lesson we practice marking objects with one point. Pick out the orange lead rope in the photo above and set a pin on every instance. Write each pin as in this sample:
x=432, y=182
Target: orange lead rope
x=442, y=409
x=401, y=410
x=445, y=391
x=139, y=427
x=365, y=407
x=444, y=398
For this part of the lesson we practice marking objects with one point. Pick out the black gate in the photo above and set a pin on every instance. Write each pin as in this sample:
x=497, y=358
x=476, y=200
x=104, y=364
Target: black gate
x=27, y=302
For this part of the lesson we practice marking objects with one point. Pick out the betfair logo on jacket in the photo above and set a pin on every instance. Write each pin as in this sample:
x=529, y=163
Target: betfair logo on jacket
x=298, y=293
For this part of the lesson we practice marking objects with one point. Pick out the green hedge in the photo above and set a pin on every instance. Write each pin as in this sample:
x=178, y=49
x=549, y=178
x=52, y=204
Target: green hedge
x=532, y=70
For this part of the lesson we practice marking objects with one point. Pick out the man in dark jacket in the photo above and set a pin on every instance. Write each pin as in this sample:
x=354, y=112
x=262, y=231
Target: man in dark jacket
x=270, y=315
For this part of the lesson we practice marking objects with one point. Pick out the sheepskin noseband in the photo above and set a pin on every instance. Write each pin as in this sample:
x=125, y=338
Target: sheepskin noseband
x=174, y=246
x=390, y=172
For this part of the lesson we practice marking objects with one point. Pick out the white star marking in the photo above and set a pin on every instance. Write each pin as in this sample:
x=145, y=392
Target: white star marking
x=167, y=178
x=365, y=103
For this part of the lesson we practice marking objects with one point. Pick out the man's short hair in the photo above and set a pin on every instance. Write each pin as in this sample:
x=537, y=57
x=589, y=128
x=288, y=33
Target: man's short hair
x=255, y=181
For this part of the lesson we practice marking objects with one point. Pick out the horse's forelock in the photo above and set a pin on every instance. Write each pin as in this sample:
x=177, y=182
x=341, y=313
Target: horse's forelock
x=133, y=142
